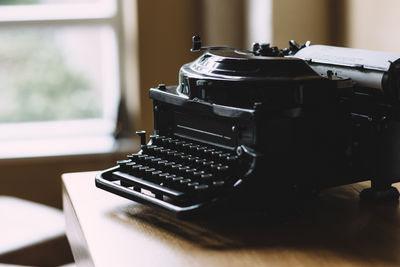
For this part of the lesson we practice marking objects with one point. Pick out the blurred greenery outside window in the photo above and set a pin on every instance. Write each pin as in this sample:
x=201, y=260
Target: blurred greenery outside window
x=58, y=62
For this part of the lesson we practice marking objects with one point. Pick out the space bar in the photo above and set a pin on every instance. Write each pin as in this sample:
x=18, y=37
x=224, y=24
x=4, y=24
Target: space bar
x=154, y=188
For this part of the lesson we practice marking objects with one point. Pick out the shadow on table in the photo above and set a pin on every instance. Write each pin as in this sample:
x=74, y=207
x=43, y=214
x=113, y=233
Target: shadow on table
x=335, y=221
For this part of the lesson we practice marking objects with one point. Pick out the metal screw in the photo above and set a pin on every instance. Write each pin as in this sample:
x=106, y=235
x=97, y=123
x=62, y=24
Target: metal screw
x=239, y=151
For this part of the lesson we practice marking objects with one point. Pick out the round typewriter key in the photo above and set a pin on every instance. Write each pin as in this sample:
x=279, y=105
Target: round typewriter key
x=156, y=173
x=183, y=183
x=155, y=176
x=189, y=172
x=167, y=179
x=231, y=159
x=192, y=184
x=157, y=150
x=142, y=171
x=201, y=150
x=178, y=144
x=196, y=175
x=132, y=156
x=147, y=159
x=159, y=138
x=222, y=168
x=186, y=146
x=140, y=158
x=175, y=168
x=163, y=152
x=208, y=164
x=176, y=181
x=206, y=177
x=223, y=157
x=135, y=169
x=170, y=154
x=182, y=170
x=213, y=167
x=161, y=163
x=218, y=184
x=178, y=154
x=184, y=158
x=148, y=149
x=154, y=162
x=194, y=147
x=166, y=141
x=148, y=171
x=201, y=188
x=200, y=161
x=123, y=164
x=161, y=177
x=209, y=151
x=167, y=166
x=192, y=160
x=129, y=166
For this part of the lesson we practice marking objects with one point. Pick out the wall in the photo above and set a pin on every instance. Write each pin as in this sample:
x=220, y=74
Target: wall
x=301, y=21
x=223, y=22
x=373, y=24
x=165, y=31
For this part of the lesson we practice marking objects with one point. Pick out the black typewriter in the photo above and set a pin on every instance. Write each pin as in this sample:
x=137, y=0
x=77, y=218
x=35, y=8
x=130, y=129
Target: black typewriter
x=267, y=126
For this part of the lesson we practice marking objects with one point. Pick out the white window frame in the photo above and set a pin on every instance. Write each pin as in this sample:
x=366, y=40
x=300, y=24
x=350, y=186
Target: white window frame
x=33, y=139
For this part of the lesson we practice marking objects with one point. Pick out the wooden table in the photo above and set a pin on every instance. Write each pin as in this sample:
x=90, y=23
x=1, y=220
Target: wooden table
x=333, y=230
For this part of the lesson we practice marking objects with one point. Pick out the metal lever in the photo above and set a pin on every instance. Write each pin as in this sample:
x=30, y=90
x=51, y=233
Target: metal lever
x=142, y=135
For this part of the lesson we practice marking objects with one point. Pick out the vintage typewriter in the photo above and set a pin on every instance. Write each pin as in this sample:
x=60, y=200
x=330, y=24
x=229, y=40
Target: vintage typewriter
x=267, y=126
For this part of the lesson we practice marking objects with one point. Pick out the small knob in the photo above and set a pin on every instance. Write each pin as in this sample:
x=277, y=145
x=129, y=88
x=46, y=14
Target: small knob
x=196, y=43
x=255, y=48
x=142, y=135
x=162, y=87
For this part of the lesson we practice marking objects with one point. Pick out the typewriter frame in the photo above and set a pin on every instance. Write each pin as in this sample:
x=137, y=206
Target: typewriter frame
x=337, y=134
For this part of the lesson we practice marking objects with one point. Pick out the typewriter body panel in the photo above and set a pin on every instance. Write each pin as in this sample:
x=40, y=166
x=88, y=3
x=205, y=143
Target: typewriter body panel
x=249, y=129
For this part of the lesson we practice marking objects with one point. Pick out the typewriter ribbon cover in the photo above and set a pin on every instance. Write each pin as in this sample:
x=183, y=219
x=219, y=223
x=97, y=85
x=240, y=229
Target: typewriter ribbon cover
x=267, y=126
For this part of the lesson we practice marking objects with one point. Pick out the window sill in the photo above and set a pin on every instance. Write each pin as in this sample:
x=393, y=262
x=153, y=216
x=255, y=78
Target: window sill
x=65, y=146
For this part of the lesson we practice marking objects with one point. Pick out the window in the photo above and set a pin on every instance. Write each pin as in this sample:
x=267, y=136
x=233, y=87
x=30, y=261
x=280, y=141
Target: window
x=59, y=76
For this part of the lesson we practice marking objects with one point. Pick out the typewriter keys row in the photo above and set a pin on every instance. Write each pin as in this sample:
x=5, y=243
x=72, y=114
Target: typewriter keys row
x=177, y=169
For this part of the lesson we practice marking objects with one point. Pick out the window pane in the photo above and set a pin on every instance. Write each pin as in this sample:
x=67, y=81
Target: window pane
x=57, y=73
x=35, y=2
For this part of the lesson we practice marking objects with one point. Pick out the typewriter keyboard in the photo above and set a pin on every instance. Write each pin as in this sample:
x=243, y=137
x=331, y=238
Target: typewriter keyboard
x=177, y=171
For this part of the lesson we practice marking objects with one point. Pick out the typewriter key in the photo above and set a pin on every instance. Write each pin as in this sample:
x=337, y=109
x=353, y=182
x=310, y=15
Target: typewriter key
x=176, y=180
x=189, y=172
x=148, y=159
x=155, y=176
x=135, y=169
x=207, y=177
x=174, y=168
x=154, y=162
x=142, y=171
x=148, y=149
x=133, y=156
x=218, y=184
x=148, y=172
x=157, y=150
x=140, y=158
x=123, y=164
x=183, y=183
x=201, y=188
x=182, y=170
x=196, y=175
x=200, y=162
x=167, y=179
x=191, y=185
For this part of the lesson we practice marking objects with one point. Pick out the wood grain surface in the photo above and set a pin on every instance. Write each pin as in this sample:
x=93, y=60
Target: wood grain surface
x=334, y=229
